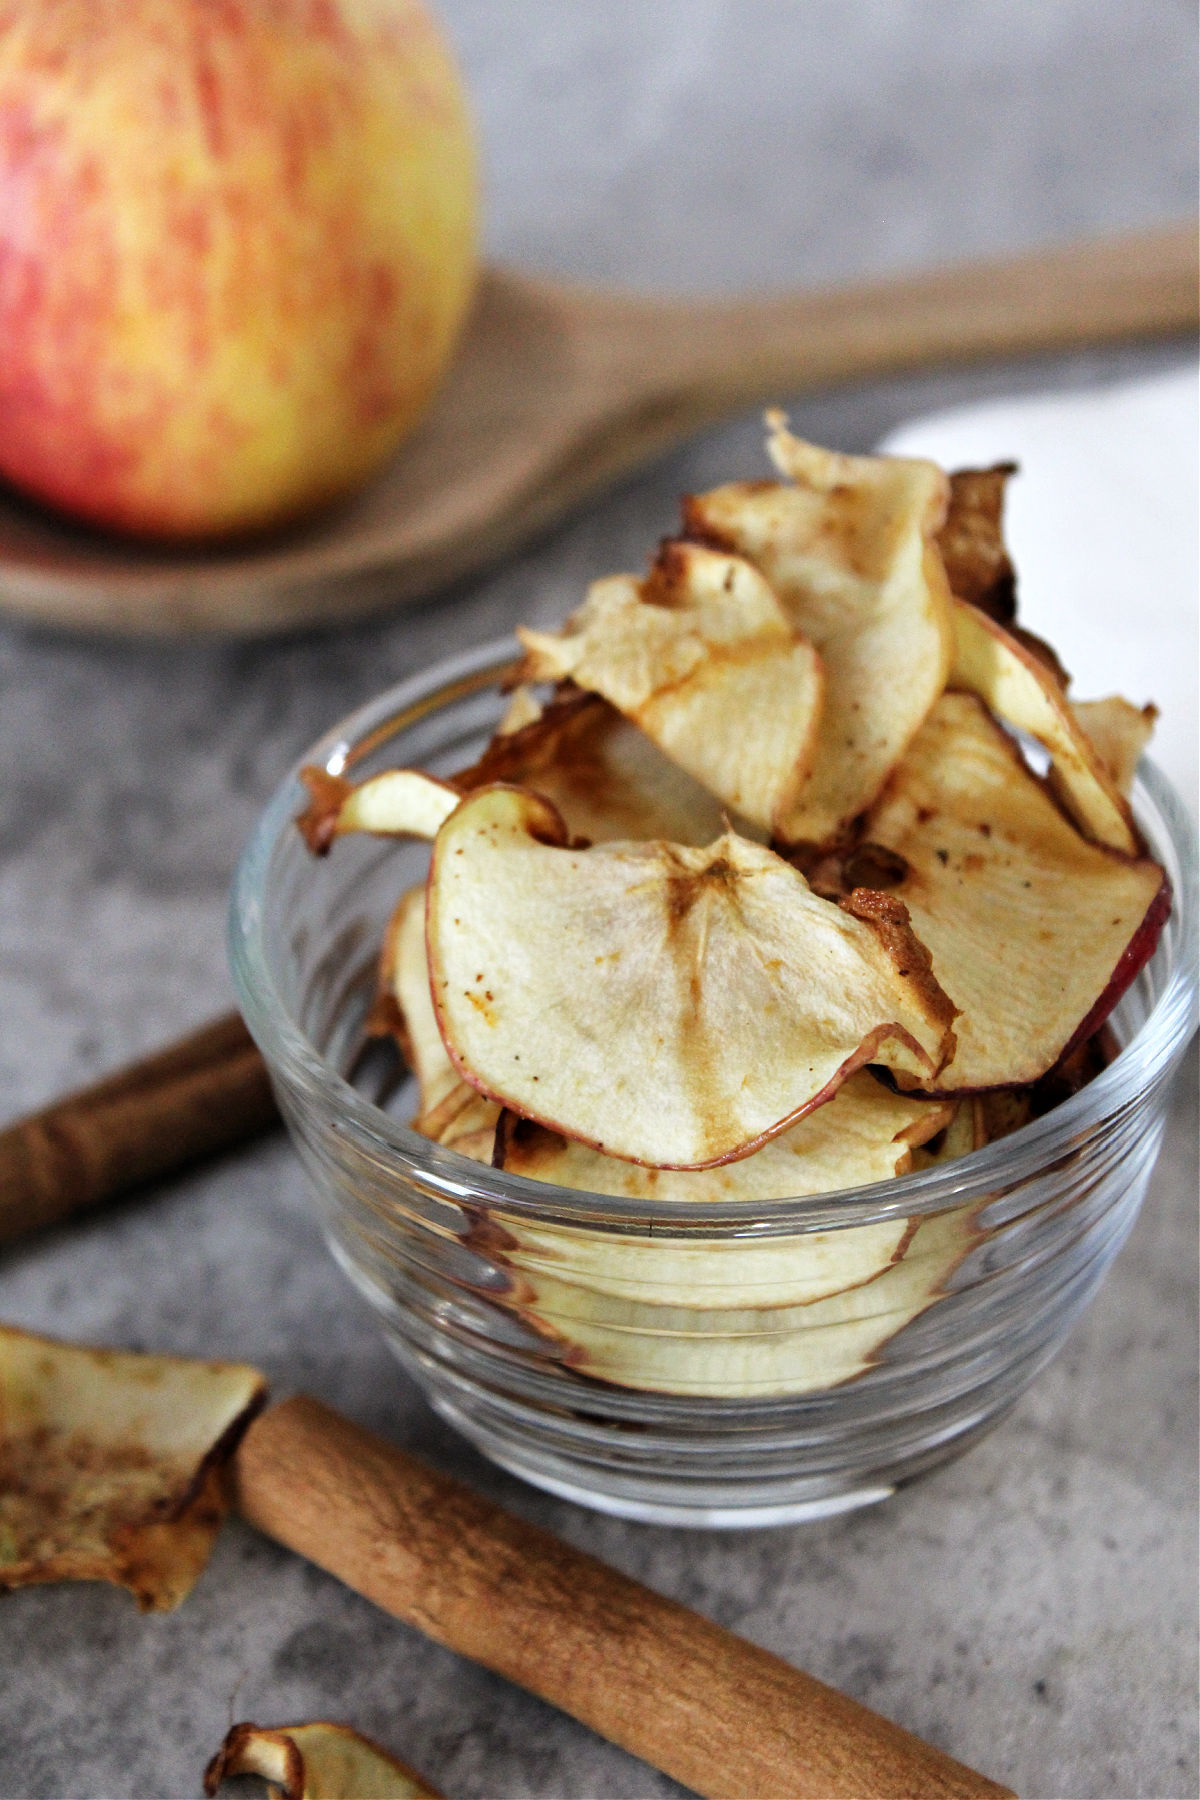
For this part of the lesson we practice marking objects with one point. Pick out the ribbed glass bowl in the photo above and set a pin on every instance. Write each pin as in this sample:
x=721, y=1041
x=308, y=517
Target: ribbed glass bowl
x=720, y=1364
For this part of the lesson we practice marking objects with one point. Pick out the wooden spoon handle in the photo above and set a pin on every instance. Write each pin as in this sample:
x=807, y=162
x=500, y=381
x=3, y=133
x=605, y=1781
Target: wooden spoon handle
x=203, y=1094
x=716, y=1712
x=715, y=354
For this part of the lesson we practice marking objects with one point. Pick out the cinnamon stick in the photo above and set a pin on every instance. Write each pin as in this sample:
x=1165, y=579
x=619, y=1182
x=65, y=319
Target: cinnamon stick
x=203, y=1094
x=720, y=1715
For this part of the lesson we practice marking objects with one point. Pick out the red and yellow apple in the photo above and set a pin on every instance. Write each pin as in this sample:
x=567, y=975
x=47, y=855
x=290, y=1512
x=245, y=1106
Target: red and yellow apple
x=237, y=240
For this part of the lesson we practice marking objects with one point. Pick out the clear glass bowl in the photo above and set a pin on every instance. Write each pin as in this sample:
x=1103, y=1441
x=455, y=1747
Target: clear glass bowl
x=682, y=1363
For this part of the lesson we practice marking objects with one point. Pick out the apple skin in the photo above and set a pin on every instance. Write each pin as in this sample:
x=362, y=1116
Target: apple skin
x=237, y=240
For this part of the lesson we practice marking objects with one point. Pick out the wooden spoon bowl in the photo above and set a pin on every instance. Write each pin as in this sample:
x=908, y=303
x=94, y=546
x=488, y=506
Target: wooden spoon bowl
x=555, y=392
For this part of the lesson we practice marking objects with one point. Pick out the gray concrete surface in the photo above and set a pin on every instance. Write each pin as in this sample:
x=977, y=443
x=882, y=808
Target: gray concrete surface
x=1033, y=1606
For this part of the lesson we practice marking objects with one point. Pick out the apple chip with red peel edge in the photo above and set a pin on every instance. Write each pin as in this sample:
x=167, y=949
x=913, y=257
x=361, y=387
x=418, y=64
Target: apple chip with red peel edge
x=1019, y=689
x=850, y=552
x=111, y=1461
x=1118, y=731
x=398, y=803
x=978, y=566
x=702, y=657
x=666, y=1004
x=1034, y=932
x=606, y=777
x=865, y=1133
x=317, y=1761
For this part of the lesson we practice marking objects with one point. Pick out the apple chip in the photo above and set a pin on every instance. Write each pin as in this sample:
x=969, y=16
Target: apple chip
x=463, y=1120
x=978, y=566
x=110, y=1464
x=1034, y=932
x=319, y=1761
x=849, y=551
x=398, y=803
x=1118, y=732
x=751, y=1353
x=864, y=1133
x=522, y=709
x=670, y=1005
x=404, y=980
x=701, y=656
x=605, y=776
x=1019, y=688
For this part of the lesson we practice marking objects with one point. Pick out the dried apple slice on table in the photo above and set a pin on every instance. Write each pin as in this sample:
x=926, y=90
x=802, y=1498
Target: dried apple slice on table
x=110, y=1463
x=848, y=547
x=663, y=1003
x=1034, y=932
x=317, y=1761
x=702, y=658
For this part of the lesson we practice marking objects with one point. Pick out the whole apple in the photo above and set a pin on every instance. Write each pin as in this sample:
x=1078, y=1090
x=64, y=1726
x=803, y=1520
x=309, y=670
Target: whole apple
x=237, y=239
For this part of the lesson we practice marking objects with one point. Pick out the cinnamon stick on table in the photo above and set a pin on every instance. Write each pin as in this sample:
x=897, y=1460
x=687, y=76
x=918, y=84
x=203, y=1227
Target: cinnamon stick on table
x=720, y=1715
x=205, y=1093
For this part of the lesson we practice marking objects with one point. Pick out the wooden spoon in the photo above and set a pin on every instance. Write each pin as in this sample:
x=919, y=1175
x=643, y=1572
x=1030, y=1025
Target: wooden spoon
x=557, y=391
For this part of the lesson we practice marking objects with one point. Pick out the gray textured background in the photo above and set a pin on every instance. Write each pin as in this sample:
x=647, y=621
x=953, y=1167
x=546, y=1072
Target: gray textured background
x=1031, y=1607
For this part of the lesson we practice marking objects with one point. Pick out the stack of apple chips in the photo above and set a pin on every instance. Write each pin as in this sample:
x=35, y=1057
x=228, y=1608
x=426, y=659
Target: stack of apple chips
x=763, y=901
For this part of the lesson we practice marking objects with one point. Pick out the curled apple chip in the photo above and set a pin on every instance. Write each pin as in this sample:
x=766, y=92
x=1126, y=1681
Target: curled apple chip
x=1118, y=732
x=110, y=1464
x=605, y=776
x=978, y=566
x=864, y=1133
x=702, y=657
x=849, y=550
x=397, y=803
x=317, y=1761
x=666, y=1004
x=1019, y=688
x=1034, y=932
x=754, y=1352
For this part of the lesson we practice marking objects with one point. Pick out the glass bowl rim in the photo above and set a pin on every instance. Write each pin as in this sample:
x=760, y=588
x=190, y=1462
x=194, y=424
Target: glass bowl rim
x=291, y=1055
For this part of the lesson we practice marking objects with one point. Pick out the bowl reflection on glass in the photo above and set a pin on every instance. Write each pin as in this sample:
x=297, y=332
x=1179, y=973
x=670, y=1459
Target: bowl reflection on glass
x=717, y=1364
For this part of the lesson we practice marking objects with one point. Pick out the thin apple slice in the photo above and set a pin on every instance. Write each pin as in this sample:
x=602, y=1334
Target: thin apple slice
x=1018, y=688
x=957, y=1140
x=701, y=656
x=1034, y=932
x=864, y=1134
x=404, y=978
x=606, y=777
x=110, y=1464
x=754, y=1353
x=463, y=1120
x=849, y=549
x=523, y=709
x=397, y=803
x=666, y=1004
x=317, y=1761
x=1118, y=732
x=978, y=566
